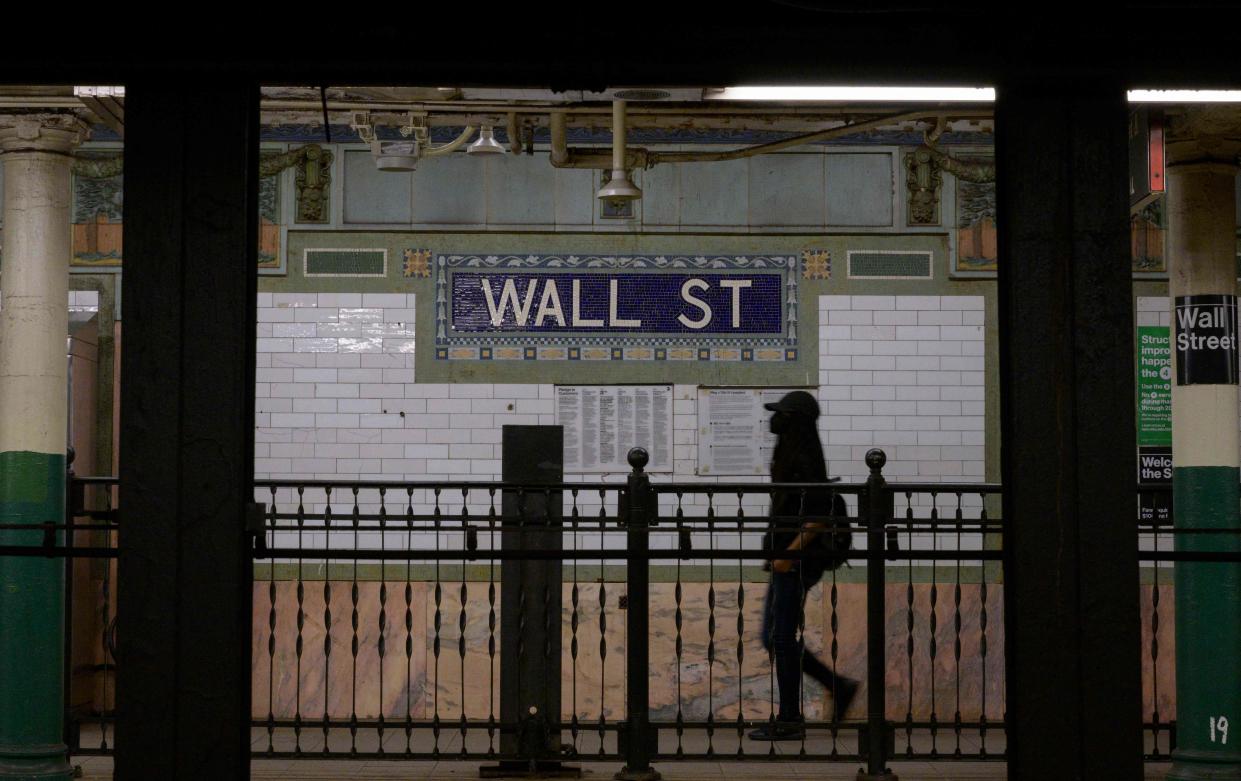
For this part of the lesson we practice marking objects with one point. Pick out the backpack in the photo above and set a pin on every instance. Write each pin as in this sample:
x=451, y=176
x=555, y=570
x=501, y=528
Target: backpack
x=837, y=540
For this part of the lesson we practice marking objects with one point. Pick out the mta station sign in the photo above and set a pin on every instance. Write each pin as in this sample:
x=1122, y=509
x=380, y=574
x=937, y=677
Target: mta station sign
x=617, y=307
x=618, y=303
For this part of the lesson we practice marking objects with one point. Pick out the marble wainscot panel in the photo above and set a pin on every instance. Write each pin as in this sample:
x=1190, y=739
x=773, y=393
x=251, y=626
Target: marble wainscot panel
x=1159, y=652
x=714, y=675
x=285, y=683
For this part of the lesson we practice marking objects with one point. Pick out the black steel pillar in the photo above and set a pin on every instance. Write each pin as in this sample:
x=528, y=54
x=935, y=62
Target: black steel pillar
x=1066, y=362
x=187, y=423
x=530, y=597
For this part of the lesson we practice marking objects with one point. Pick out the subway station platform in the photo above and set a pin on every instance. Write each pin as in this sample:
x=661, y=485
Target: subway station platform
x=100, y=769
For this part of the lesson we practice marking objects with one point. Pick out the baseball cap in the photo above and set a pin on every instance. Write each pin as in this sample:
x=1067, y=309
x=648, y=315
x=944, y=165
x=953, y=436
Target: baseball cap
x=797, y=402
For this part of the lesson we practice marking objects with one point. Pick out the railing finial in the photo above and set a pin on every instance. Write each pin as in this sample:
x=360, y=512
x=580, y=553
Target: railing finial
x=638, y=458
x=875, y=459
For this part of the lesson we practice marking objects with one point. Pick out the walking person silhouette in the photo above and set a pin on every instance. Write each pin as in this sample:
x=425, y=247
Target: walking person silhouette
x=800, y=521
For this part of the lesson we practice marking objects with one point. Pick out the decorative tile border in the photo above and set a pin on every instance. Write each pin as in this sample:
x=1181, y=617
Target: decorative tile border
x=616, y=345
x=306, y=253
x=417, y=263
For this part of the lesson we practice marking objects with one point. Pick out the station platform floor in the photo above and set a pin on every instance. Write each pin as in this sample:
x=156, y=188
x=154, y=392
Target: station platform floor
x=100, y=769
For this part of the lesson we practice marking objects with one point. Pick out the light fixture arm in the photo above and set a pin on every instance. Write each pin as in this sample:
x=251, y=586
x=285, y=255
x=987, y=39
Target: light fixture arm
x=451, y=146
x=977, y=171
x=618, y=137
x=514, y=138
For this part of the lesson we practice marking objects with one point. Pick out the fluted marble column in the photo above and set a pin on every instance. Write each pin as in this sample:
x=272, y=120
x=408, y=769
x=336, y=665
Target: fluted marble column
x=36, y=151
x=1202, y=152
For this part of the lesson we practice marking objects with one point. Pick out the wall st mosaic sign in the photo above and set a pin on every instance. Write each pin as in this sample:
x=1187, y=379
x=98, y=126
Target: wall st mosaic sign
x=616, y=307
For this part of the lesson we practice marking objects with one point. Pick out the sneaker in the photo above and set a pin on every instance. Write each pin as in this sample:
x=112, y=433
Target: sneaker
x=846, y=689
x=779, y=730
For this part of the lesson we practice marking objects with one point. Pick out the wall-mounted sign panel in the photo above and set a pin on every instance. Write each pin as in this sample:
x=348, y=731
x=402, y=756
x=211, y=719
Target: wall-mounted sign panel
x=1154, y=364
x=733, y=433
x=602, y=422
x=1206, y=340
x=1154, y=419
x=616, y=307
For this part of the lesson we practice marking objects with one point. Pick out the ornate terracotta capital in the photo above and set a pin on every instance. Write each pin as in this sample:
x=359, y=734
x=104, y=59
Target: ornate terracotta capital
x=1203, y=134
x=44, y=132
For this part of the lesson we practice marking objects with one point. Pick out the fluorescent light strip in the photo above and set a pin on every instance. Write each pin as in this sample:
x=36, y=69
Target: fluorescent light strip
x=856, y=94
x=943, y=94
x=99, y=92
x=1184, y=96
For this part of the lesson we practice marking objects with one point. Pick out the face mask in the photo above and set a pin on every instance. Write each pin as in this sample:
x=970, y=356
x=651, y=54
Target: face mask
x=780, y=422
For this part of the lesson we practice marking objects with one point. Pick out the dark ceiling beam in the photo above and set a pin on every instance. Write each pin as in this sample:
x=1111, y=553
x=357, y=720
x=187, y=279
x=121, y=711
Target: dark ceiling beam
x=541, y=45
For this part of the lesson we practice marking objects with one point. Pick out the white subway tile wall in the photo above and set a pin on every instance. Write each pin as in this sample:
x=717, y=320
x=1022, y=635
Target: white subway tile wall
x=1153, y=310
x=904, y=373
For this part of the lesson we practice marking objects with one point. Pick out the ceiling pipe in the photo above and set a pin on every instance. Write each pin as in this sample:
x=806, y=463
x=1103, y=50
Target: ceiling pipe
x=585, y=109
x=654, y=158
x=584, y=157
x=451, y=146
x=978, y=171
x=514, y=137
x=558, y=121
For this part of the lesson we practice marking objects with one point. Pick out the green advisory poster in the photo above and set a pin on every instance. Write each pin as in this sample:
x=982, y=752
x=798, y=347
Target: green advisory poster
x=1154, y=361
x=1154, y=392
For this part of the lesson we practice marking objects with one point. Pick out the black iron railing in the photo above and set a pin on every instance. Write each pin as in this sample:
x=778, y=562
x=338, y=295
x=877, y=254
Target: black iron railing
x=90, y=544
x=349, y=661
x=378, y=614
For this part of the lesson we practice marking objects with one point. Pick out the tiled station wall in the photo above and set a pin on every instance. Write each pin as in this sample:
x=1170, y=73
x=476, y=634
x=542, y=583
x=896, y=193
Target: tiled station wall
x=337, y=398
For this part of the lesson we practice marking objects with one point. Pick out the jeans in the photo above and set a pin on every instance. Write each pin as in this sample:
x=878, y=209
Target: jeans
x=782, y=611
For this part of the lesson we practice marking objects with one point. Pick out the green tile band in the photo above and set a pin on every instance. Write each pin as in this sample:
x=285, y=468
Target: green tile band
x=32, y=490
x=1208, y=723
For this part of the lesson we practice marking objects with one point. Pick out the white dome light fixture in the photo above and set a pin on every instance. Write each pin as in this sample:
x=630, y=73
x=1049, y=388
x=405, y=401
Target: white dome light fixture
x=486, y=144
x=619, y=188
x=401, y=156
x=396, y=156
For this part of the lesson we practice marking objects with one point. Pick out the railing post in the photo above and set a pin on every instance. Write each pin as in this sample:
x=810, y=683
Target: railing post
x=71, y=507
x=639, y=511
x=878, y=512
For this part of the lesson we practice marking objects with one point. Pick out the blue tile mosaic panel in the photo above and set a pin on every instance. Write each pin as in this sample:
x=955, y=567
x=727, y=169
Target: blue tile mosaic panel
x=591, y=303
x=619, y=308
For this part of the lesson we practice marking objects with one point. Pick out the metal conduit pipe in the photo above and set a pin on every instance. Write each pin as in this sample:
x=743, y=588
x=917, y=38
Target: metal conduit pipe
x=451, y=146
x=655, y=158
x=619, y=131
x=558, y=121
x=967, y=170
x=567, y=157
x=514, y=138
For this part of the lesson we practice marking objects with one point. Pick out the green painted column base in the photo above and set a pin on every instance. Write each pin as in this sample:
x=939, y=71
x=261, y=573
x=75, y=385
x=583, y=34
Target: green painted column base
x=1202, y=766
x=32, y=608
x=1208, y=628
x=35, y=763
